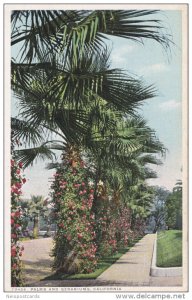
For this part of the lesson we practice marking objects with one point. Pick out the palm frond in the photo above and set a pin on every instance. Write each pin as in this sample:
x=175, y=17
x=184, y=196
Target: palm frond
x=53, y=165
x=46, y=31
x=27, y=156
x=150, y=174
x=149, y=159
x=135, y=24
x=92, y=30
x=37, y=29
x=26, y=132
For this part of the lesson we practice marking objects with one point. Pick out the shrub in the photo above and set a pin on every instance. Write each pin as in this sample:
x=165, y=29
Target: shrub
x=113, y=228
x=16, y=223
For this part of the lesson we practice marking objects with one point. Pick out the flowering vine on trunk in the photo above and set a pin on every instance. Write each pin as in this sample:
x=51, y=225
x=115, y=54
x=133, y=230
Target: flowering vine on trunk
x=75, y=248
x=17, y=181
x=113, y=228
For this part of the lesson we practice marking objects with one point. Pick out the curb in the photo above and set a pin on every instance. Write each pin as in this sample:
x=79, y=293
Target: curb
x=163, y=272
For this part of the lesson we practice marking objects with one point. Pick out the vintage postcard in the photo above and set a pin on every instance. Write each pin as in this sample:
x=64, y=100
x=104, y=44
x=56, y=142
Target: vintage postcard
x=96, y=157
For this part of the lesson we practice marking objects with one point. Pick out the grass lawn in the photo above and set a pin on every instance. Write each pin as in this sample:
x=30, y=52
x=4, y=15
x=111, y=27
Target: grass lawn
x=103, y=264
x=169, y=248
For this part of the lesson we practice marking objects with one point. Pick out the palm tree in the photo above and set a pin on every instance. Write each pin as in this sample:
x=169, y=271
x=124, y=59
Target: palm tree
x=123, y=156
x=80, y=116
x=62, y=86
x=141, y=199
x=36, y=207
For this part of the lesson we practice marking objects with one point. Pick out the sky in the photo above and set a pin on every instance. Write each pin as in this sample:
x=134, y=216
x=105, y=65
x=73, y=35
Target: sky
x=164, y=112
x=150, y=62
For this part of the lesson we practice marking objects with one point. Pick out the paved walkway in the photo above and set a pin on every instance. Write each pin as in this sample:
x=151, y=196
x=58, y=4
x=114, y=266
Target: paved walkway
x=36, y=259
x=132, y=269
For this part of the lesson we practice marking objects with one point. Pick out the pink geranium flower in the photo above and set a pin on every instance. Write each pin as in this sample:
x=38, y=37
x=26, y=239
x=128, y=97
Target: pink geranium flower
x=20, y=164
x=14, y=266
x=18, y=185
x=13, y=251
x=17, y=225
x=17, y=213
x=79, y=235
x=24, y=180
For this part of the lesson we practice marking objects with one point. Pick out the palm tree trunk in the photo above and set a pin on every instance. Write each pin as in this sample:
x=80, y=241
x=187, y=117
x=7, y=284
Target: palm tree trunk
x=36, y=227
x=155, y=230
x=48, y=232
x=116, y=197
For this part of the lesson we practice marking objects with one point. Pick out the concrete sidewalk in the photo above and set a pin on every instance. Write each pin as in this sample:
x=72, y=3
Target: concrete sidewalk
x=133, y=268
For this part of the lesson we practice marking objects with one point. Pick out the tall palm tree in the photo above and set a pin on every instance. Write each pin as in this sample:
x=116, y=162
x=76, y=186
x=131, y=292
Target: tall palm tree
x=61, y=86
x=76, y=116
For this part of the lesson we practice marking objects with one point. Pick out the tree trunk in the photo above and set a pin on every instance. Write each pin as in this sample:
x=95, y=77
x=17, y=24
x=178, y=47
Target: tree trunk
x=36, y=227
x=116, y=197
x=154, y=230
x=48, y=233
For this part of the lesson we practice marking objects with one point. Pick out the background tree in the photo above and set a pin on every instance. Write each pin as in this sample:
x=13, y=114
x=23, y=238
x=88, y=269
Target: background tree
x=158, y=211
x=36, y=207
x=174, y=207
x=141, y=196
